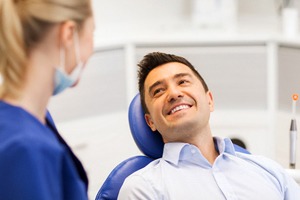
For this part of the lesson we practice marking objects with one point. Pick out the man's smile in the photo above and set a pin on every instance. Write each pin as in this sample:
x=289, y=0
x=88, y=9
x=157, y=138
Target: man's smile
x=178, y=108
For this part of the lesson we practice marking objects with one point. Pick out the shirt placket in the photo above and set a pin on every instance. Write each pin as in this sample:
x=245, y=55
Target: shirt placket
x=222, y=181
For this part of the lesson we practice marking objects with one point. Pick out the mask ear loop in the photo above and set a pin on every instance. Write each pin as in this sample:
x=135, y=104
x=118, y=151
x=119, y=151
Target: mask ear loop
x=77, y=49
x=75, y=74
x=62, y=61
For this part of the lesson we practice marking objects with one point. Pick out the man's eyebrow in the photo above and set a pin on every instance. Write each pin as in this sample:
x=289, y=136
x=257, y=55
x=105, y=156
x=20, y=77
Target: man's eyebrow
x=182, y=75
x=179, y=75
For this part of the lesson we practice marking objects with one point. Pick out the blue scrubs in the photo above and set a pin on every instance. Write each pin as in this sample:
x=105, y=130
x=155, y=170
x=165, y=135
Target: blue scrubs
x=35, y=162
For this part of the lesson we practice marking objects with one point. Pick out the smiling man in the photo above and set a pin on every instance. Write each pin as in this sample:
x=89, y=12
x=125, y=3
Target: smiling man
x=195, y=165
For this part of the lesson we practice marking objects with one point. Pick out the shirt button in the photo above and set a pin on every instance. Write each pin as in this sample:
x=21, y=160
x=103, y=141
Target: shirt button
x=193, y=151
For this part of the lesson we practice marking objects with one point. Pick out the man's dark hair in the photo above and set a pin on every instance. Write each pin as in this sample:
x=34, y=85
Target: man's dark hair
x=155, y=59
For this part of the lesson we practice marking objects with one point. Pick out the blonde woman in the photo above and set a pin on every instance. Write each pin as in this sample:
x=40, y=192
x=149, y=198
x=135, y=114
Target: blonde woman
x=44, y=45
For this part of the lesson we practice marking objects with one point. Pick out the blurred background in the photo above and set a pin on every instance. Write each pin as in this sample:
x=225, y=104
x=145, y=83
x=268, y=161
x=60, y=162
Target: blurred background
x=247, y=51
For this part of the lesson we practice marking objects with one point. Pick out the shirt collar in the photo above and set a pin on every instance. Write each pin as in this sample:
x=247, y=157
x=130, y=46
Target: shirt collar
x=172, y=151
x=175, y=151
x=224, y=145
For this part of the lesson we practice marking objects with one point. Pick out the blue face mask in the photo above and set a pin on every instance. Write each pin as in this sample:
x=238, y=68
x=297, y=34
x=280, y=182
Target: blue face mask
x=62, y=80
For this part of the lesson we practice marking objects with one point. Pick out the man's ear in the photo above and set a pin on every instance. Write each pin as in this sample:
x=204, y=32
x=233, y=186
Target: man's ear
x=210, y=101
x=150, y=122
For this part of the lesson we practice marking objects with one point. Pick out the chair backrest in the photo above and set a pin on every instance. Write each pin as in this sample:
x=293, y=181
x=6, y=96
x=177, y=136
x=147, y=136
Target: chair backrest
x=150, y=144
x=111, y=186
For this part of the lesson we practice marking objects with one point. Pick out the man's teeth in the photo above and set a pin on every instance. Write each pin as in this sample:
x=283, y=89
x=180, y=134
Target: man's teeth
x=179, y=108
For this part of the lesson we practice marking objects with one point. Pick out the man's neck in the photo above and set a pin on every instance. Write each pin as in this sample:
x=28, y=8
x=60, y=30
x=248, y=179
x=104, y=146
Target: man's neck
x=206, y=145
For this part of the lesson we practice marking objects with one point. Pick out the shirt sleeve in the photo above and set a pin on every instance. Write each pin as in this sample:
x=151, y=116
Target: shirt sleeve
x=292, y=189
x=135, y=187
x=30, y=171
x=288, y=186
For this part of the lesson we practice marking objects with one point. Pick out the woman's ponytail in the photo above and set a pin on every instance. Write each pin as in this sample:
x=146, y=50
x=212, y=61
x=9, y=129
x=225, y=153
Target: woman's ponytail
x=13, y=56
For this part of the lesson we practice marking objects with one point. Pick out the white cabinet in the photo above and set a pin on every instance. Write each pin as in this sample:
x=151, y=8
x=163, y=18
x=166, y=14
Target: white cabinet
x=235, y=74
x=288, y=84
x=288, y=75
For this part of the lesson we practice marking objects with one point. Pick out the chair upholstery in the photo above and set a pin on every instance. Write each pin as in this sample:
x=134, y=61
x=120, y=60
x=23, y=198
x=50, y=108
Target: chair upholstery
x=149, y=143
x=112, y=184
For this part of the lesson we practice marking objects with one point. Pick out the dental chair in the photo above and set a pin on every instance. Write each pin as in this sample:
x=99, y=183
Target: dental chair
x=149, y=143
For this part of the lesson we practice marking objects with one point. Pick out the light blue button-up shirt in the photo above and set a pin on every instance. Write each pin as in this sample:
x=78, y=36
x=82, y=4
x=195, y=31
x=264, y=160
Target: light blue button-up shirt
x=184, y=173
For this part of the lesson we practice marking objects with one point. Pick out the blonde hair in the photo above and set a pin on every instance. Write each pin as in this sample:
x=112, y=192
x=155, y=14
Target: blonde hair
x=23, y=24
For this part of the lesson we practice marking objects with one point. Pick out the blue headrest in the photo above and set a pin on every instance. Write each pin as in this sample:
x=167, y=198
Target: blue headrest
x=150, y=143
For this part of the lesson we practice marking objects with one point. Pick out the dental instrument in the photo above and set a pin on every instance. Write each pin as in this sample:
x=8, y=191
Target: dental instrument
x=293, y=133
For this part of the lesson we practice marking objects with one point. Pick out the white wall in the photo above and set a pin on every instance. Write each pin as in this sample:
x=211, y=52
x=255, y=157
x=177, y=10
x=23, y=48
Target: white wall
x=125, y=19
x=118, y=18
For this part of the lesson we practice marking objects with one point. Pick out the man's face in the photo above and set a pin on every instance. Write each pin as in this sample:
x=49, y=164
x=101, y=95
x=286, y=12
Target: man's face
x=178, y=105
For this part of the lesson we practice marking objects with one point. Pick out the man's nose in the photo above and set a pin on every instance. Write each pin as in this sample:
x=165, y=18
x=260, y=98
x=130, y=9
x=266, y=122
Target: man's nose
x=174, y=93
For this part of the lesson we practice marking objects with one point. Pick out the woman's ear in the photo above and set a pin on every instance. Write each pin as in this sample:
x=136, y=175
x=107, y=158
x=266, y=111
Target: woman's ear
x=149, y=121
x=66, y=34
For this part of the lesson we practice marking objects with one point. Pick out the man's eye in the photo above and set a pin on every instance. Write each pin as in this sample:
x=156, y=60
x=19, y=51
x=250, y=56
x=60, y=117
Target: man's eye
x=157, y=91
x=183, y=82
